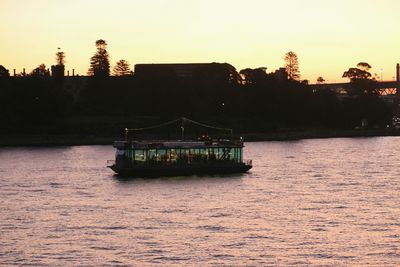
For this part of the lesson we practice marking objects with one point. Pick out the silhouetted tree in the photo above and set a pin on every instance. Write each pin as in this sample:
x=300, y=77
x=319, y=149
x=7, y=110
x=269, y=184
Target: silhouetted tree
x=292, y=65
x=364, y=66
x=320, y=80
x=40, y=71
x=60, y=58
x=305, y=82
x=4, y=72
x=361, y=72
x=360, y=78
x=100, y=63
x=122, y=68
x=366, y=106
x=253, y=76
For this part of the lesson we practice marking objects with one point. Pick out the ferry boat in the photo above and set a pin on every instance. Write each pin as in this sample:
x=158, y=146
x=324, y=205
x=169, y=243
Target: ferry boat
x=156, y=158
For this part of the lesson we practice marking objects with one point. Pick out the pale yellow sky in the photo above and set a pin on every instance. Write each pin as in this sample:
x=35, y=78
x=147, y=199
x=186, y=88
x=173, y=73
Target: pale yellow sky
x=328, y=36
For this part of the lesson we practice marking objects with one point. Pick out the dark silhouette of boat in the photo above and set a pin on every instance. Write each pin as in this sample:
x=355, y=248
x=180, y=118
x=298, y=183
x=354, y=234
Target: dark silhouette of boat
x=202, y=156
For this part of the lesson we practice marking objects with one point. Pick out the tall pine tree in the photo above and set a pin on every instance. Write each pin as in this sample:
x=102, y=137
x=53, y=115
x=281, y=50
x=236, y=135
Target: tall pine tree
x=100, y=62
x=292, y=66
x=122, y=68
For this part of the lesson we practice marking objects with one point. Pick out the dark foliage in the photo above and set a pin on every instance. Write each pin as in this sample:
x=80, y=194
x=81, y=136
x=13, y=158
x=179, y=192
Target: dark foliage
x=40, y=71
x=27, y=103
x=214, y=93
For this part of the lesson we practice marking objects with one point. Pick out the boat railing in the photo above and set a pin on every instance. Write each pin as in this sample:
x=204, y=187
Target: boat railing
x=110, y=162
x=248, y=162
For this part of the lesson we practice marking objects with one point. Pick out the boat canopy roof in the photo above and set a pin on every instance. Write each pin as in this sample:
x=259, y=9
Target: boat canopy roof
x=204, y=141
x=178, y=144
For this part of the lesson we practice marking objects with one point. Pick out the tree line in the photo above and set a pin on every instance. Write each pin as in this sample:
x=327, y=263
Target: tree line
x=248, y=100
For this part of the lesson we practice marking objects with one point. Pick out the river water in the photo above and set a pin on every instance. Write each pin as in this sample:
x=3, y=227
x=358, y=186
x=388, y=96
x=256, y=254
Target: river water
x=314, y=202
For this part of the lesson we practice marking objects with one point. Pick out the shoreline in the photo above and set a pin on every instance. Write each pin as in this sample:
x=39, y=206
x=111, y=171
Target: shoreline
x=320, y=134
x=49, y=140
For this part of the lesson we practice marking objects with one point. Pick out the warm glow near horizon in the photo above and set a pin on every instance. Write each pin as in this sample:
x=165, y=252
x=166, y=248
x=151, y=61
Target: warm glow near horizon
x=328, y=36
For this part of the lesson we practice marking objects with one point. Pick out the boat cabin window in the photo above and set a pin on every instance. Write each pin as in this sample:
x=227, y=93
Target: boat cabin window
x=140, y=155
x=162, y=155
x=181, y=155
x=152, y=155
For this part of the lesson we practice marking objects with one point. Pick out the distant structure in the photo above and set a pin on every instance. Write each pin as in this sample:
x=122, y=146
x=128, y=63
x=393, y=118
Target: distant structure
x=388, y=88
x=180, y=70
x=57, y=71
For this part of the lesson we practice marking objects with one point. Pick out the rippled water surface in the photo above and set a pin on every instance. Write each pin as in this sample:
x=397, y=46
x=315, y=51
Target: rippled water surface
x=311, y=202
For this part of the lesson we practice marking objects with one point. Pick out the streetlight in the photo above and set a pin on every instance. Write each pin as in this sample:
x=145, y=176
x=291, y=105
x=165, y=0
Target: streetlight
x=381, y=71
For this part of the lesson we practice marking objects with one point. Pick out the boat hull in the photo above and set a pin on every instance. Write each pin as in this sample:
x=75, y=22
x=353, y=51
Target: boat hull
x=164, y=171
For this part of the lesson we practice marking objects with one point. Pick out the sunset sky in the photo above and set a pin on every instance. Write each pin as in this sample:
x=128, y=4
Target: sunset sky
x=328, y=36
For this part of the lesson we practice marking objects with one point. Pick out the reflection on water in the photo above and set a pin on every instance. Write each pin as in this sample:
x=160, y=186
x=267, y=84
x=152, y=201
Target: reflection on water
x=311, y=202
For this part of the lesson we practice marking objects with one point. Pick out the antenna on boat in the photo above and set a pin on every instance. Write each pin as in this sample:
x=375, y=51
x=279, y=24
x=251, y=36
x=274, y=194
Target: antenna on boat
x=183, y=128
